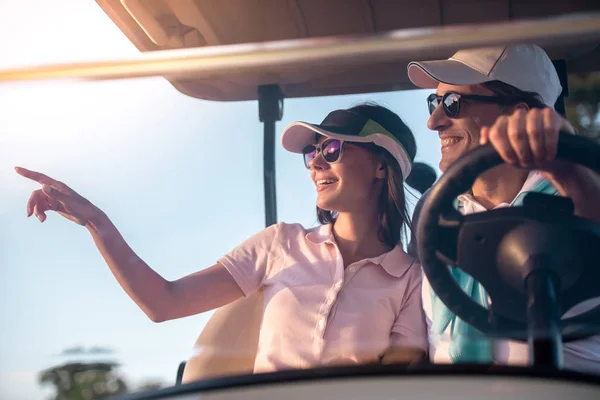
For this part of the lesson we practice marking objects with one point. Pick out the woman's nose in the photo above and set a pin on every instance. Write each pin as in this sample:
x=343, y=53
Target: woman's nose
x=318, y=163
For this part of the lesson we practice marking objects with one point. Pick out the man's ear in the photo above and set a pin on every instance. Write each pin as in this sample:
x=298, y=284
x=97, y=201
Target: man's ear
x=381, y=172
x=519, y=106
x=522, y=106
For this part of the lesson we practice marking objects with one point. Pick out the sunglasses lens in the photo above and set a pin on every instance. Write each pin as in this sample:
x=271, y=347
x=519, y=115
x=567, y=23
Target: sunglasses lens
x=309, y=153
x=451, y=104
x=432, y=103
x=331, y=150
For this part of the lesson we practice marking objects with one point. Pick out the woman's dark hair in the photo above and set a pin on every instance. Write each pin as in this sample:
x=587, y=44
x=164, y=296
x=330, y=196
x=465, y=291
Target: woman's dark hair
x=532, y=99
x=392, y=212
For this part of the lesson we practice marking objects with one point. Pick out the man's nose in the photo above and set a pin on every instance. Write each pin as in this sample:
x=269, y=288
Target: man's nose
x=438, y=120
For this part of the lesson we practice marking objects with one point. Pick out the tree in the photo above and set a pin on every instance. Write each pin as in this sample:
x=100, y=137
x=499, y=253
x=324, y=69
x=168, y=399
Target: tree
x=84, y=381
x=151, y=385
x=91, y=380
x=583, y=103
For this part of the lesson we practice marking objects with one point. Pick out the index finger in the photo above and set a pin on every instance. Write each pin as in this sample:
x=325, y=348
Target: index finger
x=38, y=177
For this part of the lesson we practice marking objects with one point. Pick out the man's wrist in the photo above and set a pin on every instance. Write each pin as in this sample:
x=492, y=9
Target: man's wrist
x=582, y=185
x=572, y=179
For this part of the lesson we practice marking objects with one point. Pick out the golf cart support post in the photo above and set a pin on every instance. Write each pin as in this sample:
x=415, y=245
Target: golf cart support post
x=270, y=110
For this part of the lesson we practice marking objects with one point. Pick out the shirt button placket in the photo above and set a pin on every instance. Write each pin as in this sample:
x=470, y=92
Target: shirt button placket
x=326, y=309
x=330, y=299
x=322, y=323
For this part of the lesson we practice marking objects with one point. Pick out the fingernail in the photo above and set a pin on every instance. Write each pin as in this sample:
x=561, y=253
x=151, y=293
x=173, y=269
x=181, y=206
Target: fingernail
x=47, y=189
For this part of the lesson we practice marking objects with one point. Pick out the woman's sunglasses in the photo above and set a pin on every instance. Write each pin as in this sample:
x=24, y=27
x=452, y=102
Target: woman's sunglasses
x=330, y=149
x=451, y=101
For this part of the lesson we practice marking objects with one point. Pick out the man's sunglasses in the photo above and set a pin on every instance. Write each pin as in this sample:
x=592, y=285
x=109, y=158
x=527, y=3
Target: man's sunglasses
x=451, y=101
x=330, y=149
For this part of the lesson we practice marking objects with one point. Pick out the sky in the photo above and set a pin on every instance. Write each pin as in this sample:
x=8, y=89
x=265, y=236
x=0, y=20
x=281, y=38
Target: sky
x=180, y=177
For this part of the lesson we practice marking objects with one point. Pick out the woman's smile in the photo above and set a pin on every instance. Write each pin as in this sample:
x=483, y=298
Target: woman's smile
x=325, y=183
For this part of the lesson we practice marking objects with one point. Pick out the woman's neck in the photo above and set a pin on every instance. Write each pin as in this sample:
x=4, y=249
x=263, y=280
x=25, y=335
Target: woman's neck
x=357, y=237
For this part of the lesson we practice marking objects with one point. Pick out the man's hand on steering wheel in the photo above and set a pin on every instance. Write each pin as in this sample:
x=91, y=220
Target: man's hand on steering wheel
x=503, y=248
x=529, y=139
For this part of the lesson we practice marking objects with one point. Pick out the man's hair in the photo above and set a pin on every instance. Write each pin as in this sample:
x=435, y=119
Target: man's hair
x=392, y=212
x=532, y=99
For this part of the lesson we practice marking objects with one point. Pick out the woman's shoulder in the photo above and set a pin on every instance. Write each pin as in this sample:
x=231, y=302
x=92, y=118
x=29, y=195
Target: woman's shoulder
x=285, y=238
x=298, y=231
x=407, y=258
x=402, y=266
x=274, y=233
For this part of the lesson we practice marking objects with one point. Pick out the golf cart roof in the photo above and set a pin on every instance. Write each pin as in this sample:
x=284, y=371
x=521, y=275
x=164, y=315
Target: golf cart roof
x=185, y=24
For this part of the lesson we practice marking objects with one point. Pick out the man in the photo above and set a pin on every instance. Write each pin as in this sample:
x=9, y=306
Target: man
x=504, y=96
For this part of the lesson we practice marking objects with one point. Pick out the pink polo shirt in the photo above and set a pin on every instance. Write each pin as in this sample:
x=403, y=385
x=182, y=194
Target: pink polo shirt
x=318, y=313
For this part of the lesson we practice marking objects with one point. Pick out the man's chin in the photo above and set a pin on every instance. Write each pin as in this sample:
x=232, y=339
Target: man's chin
x=450, y=156
x=445, y=163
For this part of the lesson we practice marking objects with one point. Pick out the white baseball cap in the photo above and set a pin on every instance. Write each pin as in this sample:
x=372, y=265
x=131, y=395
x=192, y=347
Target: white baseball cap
x=524, y=66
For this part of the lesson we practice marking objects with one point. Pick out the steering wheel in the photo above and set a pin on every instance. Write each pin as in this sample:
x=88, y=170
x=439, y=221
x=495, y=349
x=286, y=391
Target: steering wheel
x=503, y=248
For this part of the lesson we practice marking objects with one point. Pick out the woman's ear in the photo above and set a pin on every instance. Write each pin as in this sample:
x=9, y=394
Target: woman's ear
x=381, y=172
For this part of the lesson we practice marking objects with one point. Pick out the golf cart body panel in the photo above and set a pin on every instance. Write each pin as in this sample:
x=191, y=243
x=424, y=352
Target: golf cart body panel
x=390, y=382
x=184, y=24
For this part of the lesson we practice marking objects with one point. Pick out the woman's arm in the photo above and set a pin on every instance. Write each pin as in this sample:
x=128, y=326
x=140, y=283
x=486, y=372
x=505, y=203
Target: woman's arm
x=408, y=339
x=403, y=355
x=160, y=299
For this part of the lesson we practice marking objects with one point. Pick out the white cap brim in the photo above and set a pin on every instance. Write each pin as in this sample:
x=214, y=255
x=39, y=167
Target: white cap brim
x=298, y=135
x=428, y=74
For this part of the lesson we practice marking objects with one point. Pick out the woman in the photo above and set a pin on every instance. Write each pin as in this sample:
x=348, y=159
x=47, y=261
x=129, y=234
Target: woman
x=342, y=293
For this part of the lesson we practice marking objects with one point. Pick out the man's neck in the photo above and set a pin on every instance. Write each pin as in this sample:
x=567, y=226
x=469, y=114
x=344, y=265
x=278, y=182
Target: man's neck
x=499, y=185
x=357, y=236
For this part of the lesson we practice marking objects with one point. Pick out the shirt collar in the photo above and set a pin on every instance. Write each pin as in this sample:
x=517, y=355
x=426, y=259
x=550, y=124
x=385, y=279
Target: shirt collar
x=395, y=262
x=467, y=200
x=321, y=234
